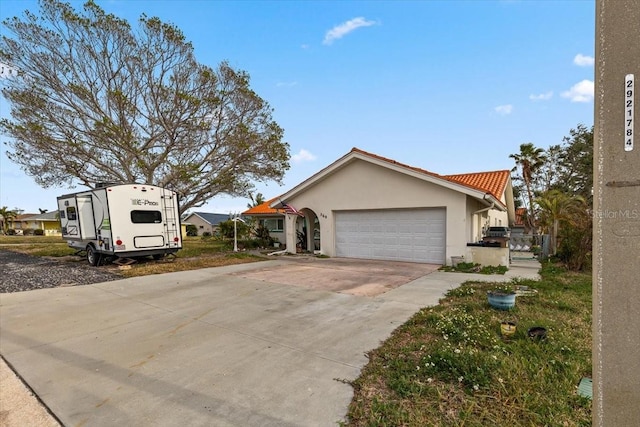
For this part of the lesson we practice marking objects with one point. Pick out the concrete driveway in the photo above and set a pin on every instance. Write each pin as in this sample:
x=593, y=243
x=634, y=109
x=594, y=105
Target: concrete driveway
x=230, y=346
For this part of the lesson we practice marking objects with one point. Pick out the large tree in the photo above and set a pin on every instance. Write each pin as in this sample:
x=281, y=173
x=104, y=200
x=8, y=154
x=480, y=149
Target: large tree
x=98, y=101
x=577, y=163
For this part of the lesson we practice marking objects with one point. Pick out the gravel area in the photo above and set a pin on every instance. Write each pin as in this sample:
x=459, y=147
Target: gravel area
x=21, y=272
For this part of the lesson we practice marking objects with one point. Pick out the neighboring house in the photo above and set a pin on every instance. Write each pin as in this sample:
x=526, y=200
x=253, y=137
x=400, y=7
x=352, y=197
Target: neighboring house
x=49, y=222
x=521, y=237
x=205, y=222
x=271, y=218
x=518, y=228
x=371, y=207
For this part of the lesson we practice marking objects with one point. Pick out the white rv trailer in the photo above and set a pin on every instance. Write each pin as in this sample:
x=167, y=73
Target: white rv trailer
x=121, y=221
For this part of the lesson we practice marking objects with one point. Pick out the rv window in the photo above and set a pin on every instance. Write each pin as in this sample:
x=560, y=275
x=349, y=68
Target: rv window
x=146, y=217
x=71, y=213
x=61, y=214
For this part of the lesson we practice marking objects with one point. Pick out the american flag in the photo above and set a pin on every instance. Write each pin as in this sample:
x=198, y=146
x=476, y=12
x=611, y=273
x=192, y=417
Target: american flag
x=291, y=210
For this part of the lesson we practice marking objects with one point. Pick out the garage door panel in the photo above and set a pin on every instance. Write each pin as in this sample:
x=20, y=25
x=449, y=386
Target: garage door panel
x=415, y=235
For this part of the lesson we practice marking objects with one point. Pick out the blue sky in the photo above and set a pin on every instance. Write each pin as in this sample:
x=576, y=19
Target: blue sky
x=448, y=86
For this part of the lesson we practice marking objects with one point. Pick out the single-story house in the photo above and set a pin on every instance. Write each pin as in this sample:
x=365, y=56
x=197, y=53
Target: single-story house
x=48, y=222
x=205, y=221
x=271, y=218
x=367, y=206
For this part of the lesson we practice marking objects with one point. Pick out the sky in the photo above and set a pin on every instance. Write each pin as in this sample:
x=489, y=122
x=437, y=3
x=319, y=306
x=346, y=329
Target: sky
x=448, y=86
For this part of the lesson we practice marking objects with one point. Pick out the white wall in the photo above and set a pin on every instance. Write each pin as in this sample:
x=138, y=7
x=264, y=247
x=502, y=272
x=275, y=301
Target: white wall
x=487, y=256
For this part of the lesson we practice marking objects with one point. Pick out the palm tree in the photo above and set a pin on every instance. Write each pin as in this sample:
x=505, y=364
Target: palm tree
x=259, y=199
x=7, y=215
x=530, y=160
x=557, y=207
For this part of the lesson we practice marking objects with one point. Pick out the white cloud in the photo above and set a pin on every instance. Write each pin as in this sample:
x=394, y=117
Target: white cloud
x=580, y=92
x=303, y=156
x=504, y=109
x=345, y=28
x=541, y=97
x=583, y=60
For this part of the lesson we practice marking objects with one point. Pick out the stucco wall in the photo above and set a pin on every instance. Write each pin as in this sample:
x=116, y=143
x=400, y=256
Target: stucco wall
x=199, y=222
x=363, y=185
x=491, y=217
x=487, y=256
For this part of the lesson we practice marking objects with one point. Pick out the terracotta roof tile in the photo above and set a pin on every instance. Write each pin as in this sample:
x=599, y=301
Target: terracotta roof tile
x=263, y=209
x=520, y=215
x=493, y=183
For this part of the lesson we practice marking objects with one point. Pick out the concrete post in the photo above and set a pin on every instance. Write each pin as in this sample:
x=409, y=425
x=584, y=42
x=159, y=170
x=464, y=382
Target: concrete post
x=290, y=232
x=616, y=252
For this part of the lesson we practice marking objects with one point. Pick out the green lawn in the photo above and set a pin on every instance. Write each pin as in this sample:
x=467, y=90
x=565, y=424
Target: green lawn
x=57, y=247
x=449, y=366
x=197, y=252
x=36, y=245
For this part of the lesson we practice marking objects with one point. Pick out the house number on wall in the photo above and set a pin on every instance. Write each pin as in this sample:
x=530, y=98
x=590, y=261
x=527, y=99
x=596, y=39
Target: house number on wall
x=628, y=112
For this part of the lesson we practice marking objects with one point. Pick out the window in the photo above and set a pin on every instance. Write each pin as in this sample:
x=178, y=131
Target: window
x=146, y=217
x=71, y=213
x=274, y=224
x=62, y=214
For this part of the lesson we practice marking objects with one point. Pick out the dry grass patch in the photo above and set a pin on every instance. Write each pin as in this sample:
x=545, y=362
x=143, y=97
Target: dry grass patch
x=196, y=253
x=170, y=264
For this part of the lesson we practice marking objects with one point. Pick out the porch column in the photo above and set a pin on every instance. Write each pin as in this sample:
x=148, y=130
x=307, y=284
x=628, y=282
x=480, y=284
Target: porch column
x=290, y=232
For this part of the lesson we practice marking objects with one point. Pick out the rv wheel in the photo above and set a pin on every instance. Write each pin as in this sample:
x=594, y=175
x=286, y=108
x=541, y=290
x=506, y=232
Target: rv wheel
x=92, y=256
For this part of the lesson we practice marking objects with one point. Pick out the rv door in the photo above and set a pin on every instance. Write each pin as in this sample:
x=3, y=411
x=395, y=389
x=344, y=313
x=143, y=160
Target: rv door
x=69, y=217
x=86, y=217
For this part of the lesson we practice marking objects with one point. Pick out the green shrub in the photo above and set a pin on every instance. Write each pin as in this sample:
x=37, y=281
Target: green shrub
x=250, y=243
x=226, y=229
x=38, y=232
x=262, y=236
x=575, y=245
x=11, y=232
x=192, y=230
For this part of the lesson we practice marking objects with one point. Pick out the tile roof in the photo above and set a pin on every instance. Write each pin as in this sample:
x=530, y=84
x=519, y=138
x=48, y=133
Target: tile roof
x=520, y=216
x=47, y=216
x=264, y=209
x=23, y=217
x=493, y=182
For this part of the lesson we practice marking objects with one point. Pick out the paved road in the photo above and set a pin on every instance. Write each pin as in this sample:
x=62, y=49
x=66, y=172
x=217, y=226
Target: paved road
x=205, y=347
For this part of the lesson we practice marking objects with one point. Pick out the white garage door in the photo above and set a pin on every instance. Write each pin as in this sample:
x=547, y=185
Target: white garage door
x=414, y=235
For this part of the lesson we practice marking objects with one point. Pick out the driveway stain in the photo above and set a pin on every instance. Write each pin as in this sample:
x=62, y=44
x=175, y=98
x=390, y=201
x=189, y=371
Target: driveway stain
x=348, y=276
